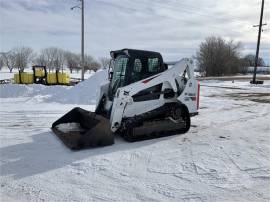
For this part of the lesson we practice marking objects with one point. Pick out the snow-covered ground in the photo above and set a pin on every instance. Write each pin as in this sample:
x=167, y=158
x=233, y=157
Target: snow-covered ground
x=224, y=157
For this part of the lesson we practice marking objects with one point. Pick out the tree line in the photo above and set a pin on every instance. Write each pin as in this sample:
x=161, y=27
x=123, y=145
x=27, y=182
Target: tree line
x=218, y=57
x=52, y=57
x=215, y=57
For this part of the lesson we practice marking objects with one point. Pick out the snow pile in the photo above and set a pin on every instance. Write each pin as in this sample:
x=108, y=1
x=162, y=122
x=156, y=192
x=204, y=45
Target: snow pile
x=78, y=74
x=15, y=90
x=5, y=74
x=85, y=92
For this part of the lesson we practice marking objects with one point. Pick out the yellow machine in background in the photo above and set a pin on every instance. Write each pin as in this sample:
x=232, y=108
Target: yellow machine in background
x=58, y=78
x=23, y=78
x=41, y=76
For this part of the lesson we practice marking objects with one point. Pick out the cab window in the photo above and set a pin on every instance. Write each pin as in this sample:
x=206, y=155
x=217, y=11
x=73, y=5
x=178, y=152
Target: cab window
x=137, y=71
x=153, y=65
x=120, y=65
x=137, y=65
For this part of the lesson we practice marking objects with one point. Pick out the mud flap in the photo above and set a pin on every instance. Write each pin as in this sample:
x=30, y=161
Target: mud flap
x=92, y=130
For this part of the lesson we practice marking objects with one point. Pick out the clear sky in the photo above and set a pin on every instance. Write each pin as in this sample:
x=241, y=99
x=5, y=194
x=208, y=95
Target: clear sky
x=173, y=27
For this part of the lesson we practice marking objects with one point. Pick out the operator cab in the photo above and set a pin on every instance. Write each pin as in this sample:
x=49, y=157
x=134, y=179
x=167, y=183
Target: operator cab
x=129, y=66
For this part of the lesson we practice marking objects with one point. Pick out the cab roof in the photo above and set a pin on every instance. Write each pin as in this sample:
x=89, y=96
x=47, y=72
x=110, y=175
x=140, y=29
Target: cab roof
x=133, y=53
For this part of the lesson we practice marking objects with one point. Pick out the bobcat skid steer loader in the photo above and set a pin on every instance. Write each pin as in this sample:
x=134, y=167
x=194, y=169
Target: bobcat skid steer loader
x=142, y=98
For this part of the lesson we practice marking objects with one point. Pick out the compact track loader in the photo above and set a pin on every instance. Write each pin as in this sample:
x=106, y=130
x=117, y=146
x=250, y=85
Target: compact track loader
x=143, y=98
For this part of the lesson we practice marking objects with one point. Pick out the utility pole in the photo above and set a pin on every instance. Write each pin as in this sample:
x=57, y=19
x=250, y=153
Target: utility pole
x=82, y=41
x=258, y=46
x=81, y=6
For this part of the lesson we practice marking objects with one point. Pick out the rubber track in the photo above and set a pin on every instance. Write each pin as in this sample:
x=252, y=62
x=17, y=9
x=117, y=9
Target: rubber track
x=154, y=117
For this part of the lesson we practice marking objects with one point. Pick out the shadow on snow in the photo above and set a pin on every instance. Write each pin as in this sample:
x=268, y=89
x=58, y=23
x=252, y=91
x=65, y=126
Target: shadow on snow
x=46, y=152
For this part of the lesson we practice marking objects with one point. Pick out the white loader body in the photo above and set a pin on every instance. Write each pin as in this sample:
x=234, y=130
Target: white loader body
x=179, y=78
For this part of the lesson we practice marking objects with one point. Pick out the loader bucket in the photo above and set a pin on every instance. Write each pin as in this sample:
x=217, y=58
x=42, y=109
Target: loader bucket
x=80, y=129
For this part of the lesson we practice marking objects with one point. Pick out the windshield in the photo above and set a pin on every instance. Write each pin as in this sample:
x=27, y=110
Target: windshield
x=120, y=65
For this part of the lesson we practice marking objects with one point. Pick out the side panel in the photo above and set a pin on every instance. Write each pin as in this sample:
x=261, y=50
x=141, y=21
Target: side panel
x=136, y=108
x=172, y=79
x=189, y=96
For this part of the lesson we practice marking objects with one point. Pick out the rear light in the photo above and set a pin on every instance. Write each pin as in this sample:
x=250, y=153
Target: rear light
x=198, y=96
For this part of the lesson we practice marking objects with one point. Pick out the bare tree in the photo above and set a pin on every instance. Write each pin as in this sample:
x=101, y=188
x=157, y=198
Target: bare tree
x=9, y=60
x=72, y=60
x=217, y=57
x=40, y=60
x=23, y=56
x=250, y=60
x=88, y=60
x=104, y=61
x=91, y=63
x=59, y=59
x=47, y=57
x=233, y=62
x=53, y=58
x=95, y=66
